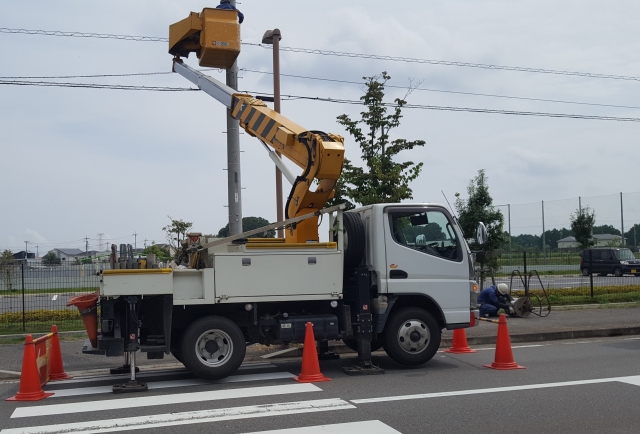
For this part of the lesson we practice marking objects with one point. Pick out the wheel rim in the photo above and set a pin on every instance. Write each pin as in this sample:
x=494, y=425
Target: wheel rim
x=214, y=348
x=413, y=336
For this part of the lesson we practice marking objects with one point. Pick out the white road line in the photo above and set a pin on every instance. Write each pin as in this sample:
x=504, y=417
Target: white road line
x=174, y=383
x=149, y=401
x=186, y=418
x=364, y=427
x=630, y=380
x=154, y=373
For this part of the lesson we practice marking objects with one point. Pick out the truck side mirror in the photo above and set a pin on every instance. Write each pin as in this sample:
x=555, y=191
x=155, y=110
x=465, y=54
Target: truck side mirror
x=481, y=234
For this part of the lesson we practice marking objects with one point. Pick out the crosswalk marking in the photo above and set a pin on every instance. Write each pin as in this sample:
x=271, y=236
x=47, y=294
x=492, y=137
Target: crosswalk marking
x=154, y=373
x=189, y=417
x=61, y=393
x=148, y=401
x=364, y=427
x=635, y=380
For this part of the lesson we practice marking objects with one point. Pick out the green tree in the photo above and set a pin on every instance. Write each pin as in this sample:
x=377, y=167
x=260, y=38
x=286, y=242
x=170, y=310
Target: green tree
x=249, y=224
x=8, y=271
x=552, y=236
x=582, y=222
x=154, y=249
x=50, y=259
x=479, y=208
x=605, y=229
x=176, y=232
x=382, y=180
x=632, y=236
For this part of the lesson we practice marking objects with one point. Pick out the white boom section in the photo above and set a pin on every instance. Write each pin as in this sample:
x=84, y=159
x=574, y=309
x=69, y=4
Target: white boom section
x=218, y=90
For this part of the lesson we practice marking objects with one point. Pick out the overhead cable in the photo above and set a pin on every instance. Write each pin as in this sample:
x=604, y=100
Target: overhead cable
x=96, y=86
x=323, y=79
x=333, y=53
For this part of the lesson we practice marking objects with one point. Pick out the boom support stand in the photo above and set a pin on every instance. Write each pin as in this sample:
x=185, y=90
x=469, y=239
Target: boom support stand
x=131, y=348
x=363, y=327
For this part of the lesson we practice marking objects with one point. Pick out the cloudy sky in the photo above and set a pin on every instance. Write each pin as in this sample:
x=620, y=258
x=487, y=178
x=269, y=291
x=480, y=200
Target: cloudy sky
x=78, y=162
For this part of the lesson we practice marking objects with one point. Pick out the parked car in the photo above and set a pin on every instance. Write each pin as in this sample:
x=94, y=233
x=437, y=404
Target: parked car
x=609, y=260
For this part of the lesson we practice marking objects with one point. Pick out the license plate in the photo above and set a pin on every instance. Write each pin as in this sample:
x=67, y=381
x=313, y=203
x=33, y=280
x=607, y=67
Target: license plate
x=633, y=271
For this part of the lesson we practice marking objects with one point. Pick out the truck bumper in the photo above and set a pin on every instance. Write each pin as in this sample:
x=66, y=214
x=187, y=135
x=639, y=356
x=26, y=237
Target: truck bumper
x=473, y=318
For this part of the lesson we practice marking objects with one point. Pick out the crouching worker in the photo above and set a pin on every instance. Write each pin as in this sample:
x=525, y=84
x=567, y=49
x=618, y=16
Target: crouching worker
x=493, y=298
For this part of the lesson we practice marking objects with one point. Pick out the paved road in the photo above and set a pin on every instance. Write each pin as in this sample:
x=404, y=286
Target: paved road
x=571, y=386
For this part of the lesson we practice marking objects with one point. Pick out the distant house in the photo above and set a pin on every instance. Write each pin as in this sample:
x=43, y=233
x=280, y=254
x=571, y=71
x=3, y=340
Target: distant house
x=568, y=243
x=21, y=255
x=66, y=254
x=601, y=240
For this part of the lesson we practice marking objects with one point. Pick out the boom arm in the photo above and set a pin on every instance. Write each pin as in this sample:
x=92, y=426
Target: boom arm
x=319, y=155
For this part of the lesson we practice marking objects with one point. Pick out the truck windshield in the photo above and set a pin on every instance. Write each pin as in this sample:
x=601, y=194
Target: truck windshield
x=429, y=232
x=624, y=255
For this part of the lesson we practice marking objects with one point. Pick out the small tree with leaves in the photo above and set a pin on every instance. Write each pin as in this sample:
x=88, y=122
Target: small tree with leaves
x=161, y=254
x=51, y=259
x=176, y=232
x=249, y=224
x=479, y=208
x=381, y=180
x=582, y=222
x=8, y=271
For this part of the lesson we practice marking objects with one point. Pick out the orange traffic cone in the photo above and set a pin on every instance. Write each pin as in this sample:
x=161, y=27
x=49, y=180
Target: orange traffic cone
x=504, y=356
x=56, y=368
x=459, y=344
x=86, y=304
x=30, y=387
x=310, y=366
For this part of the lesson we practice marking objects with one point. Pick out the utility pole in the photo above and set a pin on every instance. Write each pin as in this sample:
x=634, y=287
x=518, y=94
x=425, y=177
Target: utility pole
x=145, y=243
x=273, y=37
x=37, y=253
x=26, y=251
x=622, y=219
x=86, y=244
x=135, y=240
x=234, y=183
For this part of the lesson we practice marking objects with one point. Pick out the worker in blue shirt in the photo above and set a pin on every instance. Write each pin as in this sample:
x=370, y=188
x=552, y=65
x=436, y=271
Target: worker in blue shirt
x=493, y=298
x=226, y=4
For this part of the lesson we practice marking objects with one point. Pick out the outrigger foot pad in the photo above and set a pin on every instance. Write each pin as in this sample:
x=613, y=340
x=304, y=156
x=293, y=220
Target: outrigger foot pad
x=130, y=387
x=124, y=369
x=362, y=370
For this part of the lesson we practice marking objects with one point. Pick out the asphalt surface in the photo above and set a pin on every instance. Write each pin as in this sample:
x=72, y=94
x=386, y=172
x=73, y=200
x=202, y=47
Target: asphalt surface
x=579, y=322
x=567, y=386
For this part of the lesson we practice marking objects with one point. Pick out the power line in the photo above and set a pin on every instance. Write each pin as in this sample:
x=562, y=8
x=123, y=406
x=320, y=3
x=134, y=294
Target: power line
x=84, y=35
x=334, y=53
x=445, y=62
x=450, y=91
x=96, y=86
x=23, y=82
x=473, y=110
x=341, y=101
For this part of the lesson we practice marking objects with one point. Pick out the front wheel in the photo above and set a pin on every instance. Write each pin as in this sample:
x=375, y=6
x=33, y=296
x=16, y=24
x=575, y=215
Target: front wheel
x=585, y=272
x=412, y=336
x=213, y=347
x=618, y=272
x=352, y=344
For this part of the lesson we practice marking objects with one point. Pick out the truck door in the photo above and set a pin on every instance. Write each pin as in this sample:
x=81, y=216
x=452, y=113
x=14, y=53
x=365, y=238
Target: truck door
x=425, y=255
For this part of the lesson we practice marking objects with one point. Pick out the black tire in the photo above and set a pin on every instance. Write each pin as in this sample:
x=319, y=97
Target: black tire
x=411, y=336
x=213, y=347
x=176, y=355
x=352, y=344
x=585, y=272
x=618, y=272
x=354, y=237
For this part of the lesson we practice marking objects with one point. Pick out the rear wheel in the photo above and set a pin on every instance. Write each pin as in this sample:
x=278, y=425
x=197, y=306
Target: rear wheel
x=618, y=272
x=213, y=347
x=412, y=336
x=585, y=272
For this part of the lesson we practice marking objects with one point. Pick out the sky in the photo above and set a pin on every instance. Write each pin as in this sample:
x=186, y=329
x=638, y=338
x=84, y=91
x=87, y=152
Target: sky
x=77, y=162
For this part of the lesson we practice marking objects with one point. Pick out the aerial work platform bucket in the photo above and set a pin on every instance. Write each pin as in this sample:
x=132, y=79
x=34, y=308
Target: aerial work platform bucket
x=214, y=35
